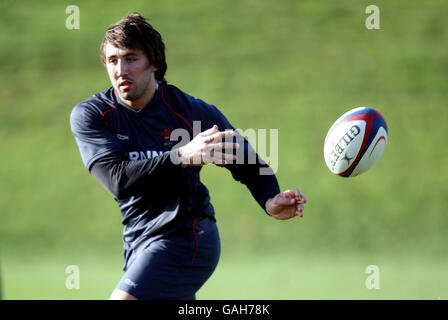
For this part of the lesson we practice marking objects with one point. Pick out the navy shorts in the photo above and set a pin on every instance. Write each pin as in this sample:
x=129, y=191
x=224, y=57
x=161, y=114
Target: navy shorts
x=174, y=267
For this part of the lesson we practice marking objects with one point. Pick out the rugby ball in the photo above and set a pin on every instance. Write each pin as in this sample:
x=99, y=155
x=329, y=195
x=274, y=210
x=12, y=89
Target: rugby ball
x=355, y=142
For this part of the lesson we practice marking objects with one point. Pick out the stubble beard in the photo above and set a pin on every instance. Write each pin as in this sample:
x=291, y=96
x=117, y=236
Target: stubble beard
x=135, y=93
x=131, y=95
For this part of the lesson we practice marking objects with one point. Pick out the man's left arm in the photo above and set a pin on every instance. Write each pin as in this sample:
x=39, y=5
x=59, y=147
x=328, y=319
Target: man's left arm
x=252, y=170
x=263, y=185
x=258, y=176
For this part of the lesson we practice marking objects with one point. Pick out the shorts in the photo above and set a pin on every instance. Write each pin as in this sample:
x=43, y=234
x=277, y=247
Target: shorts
x=174, y=267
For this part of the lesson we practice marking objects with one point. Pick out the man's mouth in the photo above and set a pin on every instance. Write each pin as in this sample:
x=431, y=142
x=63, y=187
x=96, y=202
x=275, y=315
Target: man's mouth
x=124, y=85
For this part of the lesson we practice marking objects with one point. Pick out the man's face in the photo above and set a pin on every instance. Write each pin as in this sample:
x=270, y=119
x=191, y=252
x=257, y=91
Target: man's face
x=130, y=73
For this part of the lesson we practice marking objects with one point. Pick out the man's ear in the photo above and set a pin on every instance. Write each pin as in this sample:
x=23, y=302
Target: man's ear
x=154, y=69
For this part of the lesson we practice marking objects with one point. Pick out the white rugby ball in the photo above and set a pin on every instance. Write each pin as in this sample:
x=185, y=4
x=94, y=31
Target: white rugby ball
x=355, y=142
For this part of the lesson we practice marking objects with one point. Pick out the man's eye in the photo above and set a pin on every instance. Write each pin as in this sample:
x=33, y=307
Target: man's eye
x=130, y=59
x=113, y=61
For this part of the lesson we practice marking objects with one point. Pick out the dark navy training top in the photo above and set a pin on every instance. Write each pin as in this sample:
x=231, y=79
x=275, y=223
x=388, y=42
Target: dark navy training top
x=154, y=194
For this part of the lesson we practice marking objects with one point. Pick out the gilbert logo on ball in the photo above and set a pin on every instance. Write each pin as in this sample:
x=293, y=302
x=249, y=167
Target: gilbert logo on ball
x=355, y=142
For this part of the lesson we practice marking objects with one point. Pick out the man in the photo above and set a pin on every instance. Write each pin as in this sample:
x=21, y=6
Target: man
x=171, y=242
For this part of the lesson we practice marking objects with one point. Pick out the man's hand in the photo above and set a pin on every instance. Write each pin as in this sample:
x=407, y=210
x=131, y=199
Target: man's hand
x=286, y=205
x=207, y=147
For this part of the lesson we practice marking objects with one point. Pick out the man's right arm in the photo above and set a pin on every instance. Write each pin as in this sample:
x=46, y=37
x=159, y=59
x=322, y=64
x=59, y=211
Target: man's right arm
x=124, y=178
x=103, y=156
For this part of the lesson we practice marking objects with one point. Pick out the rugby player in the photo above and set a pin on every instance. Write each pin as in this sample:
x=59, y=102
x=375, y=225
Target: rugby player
x=171, y=241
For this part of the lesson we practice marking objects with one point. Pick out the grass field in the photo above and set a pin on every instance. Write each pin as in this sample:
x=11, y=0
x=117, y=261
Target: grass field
x=295, y=66
x=275, y=276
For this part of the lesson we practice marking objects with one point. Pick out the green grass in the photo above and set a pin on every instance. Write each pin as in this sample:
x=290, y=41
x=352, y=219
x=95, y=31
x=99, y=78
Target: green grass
x=273, y=276
x=45, y=277
x=295, y=277
x=295, y=66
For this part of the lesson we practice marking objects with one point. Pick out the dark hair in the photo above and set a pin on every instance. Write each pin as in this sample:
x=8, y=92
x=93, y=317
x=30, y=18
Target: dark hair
x=134, y=32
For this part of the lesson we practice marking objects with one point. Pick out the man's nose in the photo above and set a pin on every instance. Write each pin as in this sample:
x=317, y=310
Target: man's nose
x=121, y=69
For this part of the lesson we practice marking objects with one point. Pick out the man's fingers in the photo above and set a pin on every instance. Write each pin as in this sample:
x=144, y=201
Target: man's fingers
x=210, y=131
x=218, y=136
x=299, y=210
x=221, y=158
x=295, y=193
x=225, y=146
x=301, y=199
x=284, y=200
x=299, y=196
x=290, y=198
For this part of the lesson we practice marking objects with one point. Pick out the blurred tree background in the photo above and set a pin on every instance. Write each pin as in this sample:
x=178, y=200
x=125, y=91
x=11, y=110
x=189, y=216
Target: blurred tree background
x=295, y=66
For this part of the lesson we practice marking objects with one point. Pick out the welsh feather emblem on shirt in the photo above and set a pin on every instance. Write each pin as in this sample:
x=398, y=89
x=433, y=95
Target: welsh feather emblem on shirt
x=166, y=137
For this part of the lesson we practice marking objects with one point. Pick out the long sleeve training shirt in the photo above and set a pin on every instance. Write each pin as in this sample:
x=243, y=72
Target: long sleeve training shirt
x=133, y=155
